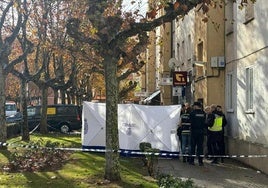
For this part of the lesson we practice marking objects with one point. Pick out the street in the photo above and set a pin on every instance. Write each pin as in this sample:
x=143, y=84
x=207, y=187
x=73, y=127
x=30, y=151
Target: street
x=230, y=174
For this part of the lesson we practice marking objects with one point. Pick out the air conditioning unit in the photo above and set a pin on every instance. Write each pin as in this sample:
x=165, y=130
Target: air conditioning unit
x=218, y=61
x=221, y=61
x=214, y=62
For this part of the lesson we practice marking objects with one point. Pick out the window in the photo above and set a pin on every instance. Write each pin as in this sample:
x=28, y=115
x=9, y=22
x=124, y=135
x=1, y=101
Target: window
x=189, y=52
x=229, y=24
x=10, y=107
x=199, y=68
x=178, y=51
x=249, y=12
x=183, y=52
x=229, y=92
x=33, y=111
x=249, y=89
x=66, y=110
x=200, y=51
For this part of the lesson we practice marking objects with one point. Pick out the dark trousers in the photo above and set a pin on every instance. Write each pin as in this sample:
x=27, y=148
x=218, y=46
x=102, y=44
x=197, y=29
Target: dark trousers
x=197, y=139
x=223, y=144
x=209, y=143
x=217, y=144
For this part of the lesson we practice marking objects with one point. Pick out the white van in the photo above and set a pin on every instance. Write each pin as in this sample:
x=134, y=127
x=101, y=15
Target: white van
x=11, y=108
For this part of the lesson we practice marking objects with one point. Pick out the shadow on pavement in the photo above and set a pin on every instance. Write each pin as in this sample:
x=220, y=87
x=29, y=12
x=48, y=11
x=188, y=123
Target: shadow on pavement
x=231, y=173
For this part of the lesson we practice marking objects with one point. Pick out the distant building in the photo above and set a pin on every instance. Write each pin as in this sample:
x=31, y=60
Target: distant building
x=158, y=54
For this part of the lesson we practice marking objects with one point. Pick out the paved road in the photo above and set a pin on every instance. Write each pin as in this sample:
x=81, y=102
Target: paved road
x=230, y=174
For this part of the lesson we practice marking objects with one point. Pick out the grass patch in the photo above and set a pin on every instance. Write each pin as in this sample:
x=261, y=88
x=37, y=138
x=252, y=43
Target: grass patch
x=82, y=169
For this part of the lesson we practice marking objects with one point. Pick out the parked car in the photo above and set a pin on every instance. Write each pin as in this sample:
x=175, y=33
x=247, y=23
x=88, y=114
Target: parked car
x=10, y=108
x=64, y=118
x=14, y=118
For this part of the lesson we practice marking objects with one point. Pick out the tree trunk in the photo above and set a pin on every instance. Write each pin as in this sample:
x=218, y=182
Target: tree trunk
x=56, y=96
x=25, y=128
x=63, y=96
x=3, y=127
x=73, y=100
x=112, y=170
x=68, y=98
x=43, y=122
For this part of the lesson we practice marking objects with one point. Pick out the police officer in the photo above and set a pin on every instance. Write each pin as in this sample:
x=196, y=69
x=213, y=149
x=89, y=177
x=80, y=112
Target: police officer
x=216, y=132
x=197, y=120
x=185, y=132
x=224, y=123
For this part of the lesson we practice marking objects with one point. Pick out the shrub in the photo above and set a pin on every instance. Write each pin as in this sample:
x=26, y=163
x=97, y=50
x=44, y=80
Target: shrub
x=145, y=145
x=38, y=159
x=150, y=160
x=169, y=181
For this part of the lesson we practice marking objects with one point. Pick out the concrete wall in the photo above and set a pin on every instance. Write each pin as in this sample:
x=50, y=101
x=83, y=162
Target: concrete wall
x=241, y=147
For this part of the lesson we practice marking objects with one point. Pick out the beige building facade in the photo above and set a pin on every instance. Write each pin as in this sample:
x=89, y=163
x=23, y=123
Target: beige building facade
x=199, y=48
x=209, y=61
x=157, y=57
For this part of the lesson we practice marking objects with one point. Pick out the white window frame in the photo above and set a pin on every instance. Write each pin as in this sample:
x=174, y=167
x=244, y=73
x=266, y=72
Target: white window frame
x=249, y=12
x=249, y=89
x=230, y=91
x=229, y=24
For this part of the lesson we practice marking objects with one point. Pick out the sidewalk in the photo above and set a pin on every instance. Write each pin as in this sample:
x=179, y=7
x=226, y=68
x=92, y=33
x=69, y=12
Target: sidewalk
x=230, y=174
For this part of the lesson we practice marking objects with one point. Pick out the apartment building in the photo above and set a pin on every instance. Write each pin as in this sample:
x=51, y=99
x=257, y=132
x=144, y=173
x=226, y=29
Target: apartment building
x=225, y=58
x=183, y=50
x=246, y=51
x=199, y=48
x=156, y=68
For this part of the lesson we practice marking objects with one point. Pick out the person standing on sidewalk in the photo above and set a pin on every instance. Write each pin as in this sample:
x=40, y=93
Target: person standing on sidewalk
x=216, y=131
x=179, y=129
x=207, y=137
x=197, y=120
x=185, y=132
x=224, y=123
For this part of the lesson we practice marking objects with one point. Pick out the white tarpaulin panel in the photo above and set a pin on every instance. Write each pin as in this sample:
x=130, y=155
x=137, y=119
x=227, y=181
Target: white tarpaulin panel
x=136, y=123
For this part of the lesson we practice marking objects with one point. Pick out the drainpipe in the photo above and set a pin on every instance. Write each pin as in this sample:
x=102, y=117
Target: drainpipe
x=175, y=99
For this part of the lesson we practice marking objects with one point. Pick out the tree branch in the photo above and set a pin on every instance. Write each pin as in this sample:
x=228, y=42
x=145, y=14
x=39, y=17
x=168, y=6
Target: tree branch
x=135, y=68
x=148, y=26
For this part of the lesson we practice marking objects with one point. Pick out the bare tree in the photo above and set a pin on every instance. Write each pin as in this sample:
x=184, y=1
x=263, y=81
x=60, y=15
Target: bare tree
x=12, y=19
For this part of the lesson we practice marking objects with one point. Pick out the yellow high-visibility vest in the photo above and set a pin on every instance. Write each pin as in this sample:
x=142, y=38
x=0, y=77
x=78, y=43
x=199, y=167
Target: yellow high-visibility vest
x=217, y=126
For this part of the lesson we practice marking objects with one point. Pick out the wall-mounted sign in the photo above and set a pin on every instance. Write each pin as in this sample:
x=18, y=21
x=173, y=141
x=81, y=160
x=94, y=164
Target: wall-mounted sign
x=179, y=78
x=141, y=94
x=166, y=81
x=176, y=91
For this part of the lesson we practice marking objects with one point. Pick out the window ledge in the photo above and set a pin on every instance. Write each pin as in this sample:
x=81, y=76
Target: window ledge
x=250, y=112
x=248, y=20
x=228, y=33
x=230, y=111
